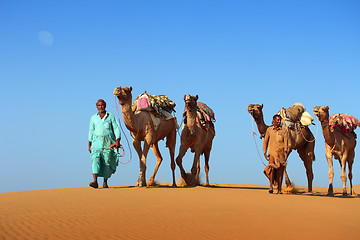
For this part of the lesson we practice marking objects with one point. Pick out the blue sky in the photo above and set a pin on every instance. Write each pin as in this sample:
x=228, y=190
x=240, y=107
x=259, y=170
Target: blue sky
x=58, y=57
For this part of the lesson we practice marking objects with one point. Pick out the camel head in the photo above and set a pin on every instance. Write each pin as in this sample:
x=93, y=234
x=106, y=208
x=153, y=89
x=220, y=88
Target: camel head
x=321, y=112
x=190, y=101
x=123, y=94
x=255, y=110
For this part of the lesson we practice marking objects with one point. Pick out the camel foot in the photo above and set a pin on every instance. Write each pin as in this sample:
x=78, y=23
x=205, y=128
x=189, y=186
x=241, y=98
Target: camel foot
x=353, y=194
x=141, y=184
x=288, y=183
x=151, y=183
x=188, y=179
x=344, y=193
x=174, y=185
x=330, y=190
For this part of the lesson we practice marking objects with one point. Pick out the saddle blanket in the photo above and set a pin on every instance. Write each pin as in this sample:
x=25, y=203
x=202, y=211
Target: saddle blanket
x=345, y=122
x=160, y=104
x=205, y=116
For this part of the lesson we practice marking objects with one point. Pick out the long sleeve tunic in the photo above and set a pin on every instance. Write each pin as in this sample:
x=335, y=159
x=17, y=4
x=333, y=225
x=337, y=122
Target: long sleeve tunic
x=276, y=141
x=103, y=133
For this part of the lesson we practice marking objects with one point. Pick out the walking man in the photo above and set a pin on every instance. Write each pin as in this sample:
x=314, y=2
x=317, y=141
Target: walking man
x=277, y=141
x=104, y=138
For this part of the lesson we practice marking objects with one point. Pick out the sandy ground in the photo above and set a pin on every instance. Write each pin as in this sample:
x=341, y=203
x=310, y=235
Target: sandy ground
x=220, y=211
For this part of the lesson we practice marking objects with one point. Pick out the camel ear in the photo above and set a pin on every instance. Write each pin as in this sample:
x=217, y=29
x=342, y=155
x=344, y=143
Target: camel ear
x=130, y=89
x=184, y=97
x=262, y=105
x=327, y=107
x=197, y=97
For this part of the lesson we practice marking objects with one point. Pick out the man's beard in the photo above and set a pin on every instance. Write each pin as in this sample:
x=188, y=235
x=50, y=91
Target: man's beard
x=102, y=111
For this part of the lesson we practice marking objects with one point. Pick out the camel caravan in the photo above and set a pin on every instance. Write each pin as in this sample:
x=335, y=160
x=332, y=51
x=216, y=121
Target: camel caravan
x=149, y=119
x=338, y=132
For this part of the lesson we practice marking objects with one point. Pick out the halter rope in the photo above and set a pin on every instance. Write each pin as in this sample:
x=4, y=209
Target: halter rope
x=122, y=148
x=253, y=134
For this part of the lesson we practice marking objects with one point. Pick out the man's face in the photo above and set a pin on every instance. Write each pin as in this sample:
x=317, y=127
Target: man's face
x=277, y=121
x=101, y=107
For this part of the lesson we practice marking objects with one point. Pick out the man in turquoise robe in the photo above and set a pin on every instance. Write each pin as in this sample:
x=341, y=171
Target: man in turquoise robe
x=104, y=138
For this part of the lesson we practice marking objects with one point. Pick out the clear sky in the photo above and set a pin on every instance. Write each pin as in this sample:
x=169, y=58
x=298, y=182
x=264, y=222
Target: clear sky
x=58, y=57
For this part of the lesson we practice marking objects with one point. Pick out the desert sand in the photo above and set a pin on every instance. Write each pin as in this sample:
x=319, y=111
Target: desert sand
x=221, y=211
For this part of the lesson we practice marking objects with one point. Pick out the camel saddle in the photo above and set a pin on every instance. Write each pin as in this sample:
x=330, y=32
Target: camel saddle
x=345, y=122
x=160, y=105
x=205, y=116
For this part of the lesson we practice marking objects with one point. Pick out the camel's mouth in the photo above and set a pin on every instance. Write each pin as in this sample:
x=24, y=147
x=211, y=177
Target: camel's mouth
x=250, y=110
x=117, y=91
x=316, y=111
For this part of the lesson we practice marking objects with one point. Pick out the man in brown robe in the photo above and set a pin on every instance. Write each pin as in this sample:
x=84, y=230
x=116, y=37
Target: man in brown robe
x=277, y=142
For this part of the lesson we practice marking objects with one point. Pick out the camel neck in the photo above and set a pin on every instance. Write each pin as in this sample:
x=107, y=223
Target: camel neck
x=191, y=119
x=262, y=127
x=129, y=117
x=328, y=136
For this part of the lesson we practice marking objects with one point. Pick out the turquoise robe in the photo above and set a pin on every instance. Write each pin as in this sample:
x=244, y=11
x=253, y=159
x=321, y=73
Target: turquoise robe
x=101, y=135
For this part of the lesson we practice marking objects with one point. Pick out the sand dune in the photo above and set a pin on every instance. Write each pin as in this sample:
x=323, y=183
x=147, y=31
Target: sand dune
x=221, y=211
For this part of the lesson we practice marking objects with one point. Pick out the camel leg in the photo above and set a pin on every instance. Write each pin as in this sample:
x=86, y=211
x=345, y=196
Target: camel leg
x=170, y=143
x=156, y=151
x=287, y=179
x=137, y=146
x=343, y=172
x=197, y=176
x=182, y=151
x=306, y=156
x=279, y=177
x=142, y=158
x=194, y=167
x=329, y=159
x=207, y=157
x=350, y=162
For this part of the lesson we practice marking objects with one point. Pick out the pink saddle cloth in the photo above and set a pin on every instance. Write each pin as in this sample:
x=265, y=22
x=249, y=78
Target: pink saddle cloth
x=346, y=122
x=143, y=102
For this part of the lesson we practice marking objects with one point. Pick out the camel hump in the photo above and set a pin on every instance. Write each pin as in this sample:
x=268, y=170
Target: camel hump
x=345, y=122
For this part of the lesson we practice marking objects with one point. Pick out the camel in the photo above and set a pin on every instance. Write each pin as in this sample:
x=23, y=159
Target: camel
x=198, y=139
x=301, y=140
x=142, y=128
x=339, y=145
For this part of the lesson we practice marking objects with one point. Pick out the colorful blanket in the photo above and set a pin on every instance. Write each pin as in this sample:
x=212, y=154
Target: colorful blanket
x=345, y=122
x=208, y=111
x=205, y=115
x=157, y=103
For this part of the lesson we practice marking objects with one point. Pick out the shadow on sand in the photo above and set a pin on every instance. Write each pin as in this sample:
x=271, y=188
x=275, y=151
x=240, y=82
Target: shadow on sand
x=298, y=190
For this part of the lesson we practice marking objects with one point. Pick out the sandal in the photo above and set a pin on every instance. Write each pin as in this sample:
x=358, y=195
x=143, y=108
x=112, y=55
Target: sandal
x=94, y=184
